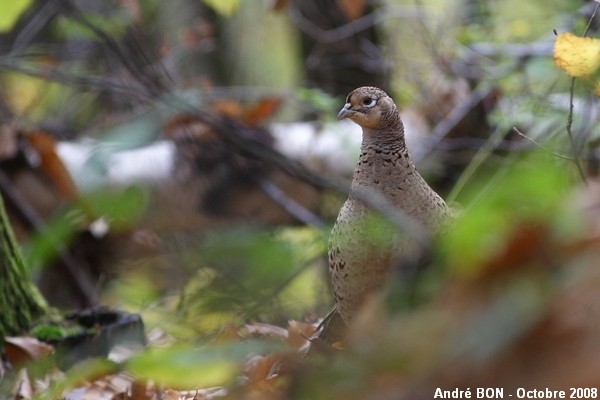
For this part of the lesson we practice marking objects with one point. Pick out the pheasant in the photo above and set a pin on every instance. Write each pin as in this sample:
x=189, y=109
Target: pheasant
x=362, y=247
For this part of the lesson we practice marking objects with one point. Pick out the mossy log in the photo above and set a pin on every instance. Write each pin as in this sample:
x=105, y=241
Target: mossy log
x=20, y=301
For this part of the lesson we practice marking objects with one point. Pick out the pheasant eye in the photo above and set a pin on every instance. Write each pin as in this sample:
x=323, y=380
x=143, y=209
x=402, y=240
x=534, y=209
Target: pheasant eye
x=369, y=102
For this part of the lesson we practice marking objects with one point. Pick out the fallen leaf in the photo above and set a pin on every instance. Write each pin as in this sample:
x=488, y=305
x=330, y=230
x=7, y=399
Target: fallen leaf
x=279, y=5
x=524, y=245
x=259, y=368
x=352, y=9
x=267, y=330
x=228, y=333
x=299, y=332
x=262, y=111
x=51, y=164
x=170, y=394
x=229, y=108
x=22, y=387
x=23, y=349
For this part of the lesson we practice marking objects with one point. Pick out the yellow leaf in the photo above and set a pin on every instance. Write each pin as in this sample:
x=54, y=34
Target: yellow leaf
x=352, y=9
x=223, y=7
x=577, y=56
x=597, y=88
x=10, y=11
x=22, y=92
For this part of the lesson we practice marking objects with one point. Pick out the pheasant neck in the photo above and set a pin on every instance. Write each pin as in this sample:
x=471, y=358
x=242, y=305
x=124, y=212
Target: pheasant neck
x=392, y=141
x=384, y=162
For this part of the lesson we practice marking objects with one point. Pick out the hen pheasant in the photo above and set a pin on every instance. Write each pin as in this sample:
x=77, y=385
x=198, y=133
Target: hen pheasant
x=362, y=248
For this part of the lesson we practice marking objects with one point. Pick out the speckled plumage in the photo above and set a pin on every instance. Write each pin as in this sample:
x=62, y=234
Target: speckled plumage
x=362, y=246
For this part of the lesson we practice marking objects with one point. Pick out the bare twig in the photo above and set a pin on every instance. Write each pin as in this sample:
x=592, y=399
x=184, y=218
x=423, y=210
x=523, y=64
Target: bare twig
x=481, y=155
x=574, y=147
x=512, y=50
x=521, y=134
x=290, y=205
x=351, y=28
x=71, y=79
x=589, y=24
x=450, y=121
x=235, y=136
x=228, y=130
x=149, y=85
x=35, y=25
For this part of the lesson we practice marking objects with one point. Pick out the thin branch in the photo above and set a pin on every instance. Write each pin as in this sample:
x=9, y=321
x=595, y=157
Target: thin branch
x=147, y=84
x=574, y=146
x=450, y=121
x=234, y=135
x=512, y=50
x=589, y=24
x=484, y=152
x=294, y=208
x=71, y=79
x=521, y=134
x=351, y=28
x=35, y=25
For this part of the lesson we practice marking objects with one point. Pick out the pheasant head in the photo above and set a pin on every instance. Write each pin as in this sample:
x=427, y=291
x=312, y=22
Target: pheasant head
x=373, y=110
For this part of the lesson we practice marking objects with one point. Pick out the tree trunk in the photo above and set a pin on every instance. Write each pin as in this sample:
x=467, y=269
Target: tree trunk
x=20, y=301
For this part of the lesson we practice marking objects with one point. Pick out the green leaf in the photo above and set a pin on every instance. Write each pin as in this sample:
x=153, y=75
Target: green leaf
x=186, y=367
x=120, y=208
x=223, y=7
x=531, y=189
x=10, y=11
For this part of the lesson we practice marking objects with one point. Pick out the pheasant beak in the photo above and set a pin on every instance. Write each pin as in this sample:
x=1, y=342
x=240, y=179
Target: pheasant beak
x=345, y=112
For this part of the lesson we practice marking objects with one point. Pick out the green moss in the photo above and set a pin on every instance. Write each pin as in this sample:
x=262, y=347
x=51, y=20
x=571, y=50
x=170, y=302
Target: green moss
x=48, y=332
x=20, y=301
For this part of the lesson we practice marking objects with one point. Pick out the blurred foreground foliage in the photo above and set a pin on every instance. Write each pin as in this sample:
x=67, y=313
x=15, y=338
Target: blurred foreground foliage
x=100, y=211
x=513, y=288
x=510, y=300
x=257, y=275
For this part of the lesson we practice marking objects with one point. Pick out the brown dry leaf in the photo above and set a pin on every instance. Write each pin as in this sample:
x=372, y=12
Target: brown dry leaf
x=252, y=115
x=170, y=394
x=523, y=246
x=142, y=390
x=228, y=108
x=258, y=368
x=51, y=164
x=187, y=126
x=299, y=332
x=267, y=330
x=23, y=349
x=228, y=333
x=22, y=387
x=352, y=9
x=279, y=5
x=260, y=112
